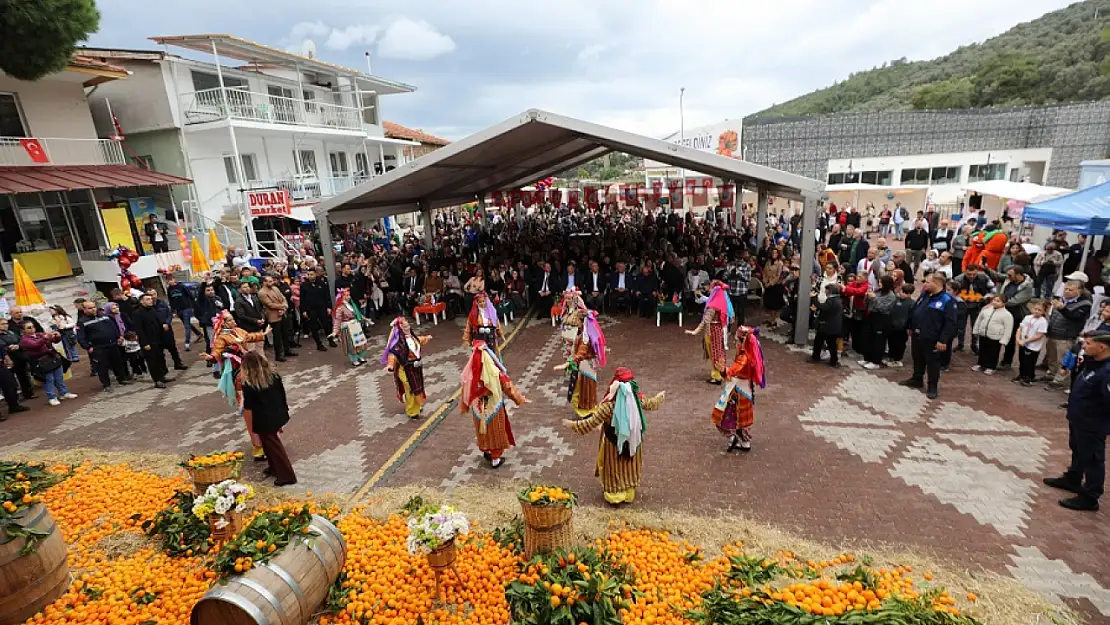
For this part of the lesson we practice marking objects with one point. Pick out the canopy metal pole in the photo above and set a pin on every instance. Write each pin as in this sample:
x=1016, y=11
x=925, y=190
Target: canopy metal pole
x=805, y=273
x=426, y=211
x=324, y=227
x=761, y=218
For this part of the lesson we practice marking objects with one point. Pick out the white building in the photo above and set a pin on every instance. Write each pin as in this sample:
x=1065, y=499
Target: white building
x=273, y=121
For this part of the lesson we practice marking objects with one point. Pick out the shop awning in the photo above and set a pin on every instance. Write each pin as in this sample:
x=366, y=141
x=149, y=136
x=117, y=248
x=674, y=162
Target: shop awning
x=71, y=177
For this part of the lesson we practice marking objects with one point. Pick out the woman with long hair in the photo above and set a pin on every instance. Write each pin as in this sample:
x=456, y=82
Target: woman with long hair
x=230, y=344
x=773, y=292
x=264, y=400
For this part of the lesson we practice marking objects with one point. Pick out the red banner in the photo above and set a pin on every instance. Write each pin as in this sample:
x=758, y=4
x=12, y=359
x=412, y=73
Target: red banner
x=706, y=185
x=555, y=196
x=726, y=195
x=35, y=150
x=641, y=191
x=676, y=195
x=691, y=186
x=270, y=203
x=539, y=196
x=575, y=194
x=514, y=197
x=657, y=189
x=497, y=198
x=591, y=197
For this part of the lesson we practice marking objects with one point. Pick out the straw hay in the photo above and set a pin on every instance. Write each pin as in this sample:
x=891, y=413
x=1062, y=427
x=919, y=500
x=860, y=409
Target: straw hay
x=1002, y=600
x=165, y=465
x=123, y=544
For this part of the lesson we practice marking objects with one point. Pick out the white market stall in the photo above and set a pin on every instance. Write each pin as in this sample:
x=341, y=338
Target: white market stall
x=860, y=194
x=1000, y=195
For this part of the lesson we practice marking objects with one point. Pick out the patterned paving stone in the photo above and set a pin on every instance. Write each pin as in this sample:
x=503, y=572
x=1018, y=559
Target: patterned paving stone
x=871, y=445
x=879, y=394
x=341, y=469
x=183, y=392
x=103, y=408
x=1024, y=453
x=952, y=416
x=20, y=447
x=991, y=495
x=835, y=410
x=1055, y=579
x=214, y=433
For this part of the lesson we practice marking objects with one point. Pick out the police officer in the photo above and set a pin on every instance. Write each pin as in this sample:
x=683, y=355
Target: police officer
x=1088, y=425
x=99, y=333
x=932, y=326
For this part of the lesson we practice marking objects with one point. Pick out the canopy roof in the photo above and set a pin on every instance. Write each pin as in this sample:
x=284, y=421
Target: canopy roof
x=1027, y=192
x=241, y=49
x=526, y=148
x=1086, y=211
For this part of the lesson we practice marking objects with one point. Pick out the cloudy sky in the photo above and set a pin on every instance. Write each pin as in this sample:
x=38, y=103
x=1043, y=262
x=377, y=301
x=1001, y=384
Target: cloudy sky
x=615, y=62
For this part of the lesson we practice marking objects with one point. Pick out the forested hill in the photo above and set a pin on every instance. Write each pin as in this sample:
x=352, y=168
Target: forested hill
x=1059, y=57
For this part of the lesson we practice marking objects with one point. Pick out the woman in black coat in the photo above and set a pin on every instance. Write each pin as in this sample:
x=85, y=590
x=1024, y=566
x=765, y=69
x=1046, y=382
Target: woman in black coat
x=264, y=396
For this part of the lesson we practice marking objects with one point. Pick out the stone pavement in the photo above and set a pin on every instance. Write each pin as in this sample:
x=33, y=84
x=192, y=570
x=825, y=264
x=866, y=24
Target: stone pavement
x=840, y=455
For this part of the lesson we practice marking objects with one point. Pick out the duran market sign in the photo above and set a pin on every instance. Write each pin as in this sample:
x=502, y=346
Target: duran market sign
x=269, y=203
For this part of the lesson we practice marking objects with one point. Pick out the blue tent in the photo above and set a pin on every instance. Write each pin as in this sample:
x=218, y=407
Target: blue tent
x=1086, y=211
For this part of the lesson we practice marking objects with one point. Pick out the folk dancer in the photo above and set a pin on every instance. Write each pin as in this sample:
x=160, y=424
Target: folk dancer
x=485, y=386
x=402, y=356
x=229, y=344
x=714, y=322
x=620, y=453
x=482, y=324
x=734, y=412
x=572, y=312
x=343, y=313
x=588, y=355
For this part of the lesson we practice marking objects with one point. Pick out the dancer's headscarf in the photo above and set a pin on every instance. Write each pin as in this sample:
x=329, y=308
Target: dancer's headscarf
x=394, y=338
x=226, y=385
x=719, y=301
x=595, y=336
x=339, y=293
x=481, y=378
x=747, y=342
x=489, y=311
x=628, y=412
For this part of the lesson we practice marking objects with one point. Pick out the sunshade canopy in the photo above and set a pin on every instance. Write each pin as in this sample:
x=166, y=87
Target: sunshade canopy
x=529, y=147
x=70, y=177
x=1086, y=211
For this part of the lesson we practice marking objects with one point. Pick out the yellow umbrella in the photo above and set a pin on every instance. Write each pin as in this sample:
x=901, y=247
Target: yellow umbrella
x=200, y=263
x=26, y=293
x=215, y=250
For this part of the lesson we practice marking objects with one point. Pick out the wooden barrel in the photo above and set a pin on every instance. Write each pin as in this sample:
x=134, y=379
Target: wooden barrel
x=30, y=583
x=284, y=591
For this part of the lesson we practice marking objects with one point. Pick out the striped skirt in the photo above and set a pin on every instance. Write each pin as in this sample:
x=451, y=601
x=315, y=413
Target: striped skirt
x=498, y=435
x=618, y=473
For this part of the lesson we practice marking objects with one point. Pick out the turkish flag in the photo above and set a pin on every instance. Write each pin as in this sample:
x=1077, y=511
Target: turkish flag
x=706, y=185
x=691, y=186
x=591, y=197
x=556, y=197
x=573, y=202
x=726, y=195
x=34, y=150
x=676, y=195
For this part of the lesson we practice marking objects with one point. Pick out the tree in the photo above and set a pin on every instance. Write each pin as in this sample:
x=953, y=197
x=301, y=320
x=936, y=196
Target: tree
x=954, y=93
x=38, y=37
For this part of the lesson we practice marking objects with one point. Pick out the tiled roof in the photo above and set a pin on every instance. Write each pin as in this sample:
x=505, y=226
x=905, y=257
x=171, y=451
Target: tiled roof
x=397, y=131
x=88, y=62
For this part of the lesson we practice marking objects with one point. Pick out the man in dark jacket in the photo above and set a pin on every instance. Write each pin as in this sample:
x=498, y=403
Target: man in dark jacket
x=157, y=233
x=316, y=306
x=829, y=325
x=1065, y=323
x=149, y=327
x=169, y=341
x=974, y=287
x=7, y=378
x=248, y=310
x=645, y=288
x=182, y=302
x=99, y=334
x=933, y=326
x=1088, y=425
x=899, y=322
x=127, y=304
x=917, y=241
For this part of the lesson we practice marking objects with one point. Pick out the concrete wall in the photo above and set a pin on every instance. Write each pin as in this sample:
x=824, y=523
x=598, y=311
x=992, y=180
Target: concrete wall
x=53, y=107
x=806, y=145
x=142, y=102
x=164, y=148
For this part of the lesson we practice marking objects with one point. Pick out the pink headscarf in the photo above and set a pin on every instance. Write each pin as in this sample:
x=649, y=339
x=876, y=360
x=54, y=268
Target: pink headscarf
x=596, y=337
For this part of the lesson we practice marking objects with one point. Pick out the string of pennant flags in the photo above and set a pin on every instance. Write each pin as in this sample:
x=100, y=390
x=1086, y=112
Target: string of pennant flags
x=630, y=193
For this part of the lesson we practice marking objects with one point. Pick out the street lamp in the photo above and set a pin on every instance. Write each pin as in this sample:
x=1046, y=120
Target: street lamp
x=682, y=138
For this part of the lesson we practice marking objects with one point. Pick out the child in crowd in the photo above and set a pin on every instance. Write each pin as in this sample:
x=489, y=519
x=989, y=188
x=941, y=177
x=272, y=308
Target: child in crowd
x=1031, y=340
x=899, y=319
x=993, y=329
x=930, y=264
x=133, y=351
x=64, y=325
x=264, y=397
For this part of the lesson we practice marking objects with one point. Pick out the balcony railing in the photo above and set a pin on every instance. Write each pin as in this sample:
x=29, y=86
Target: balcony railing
x=224, y=103
x=308, y=187
x=40, y=151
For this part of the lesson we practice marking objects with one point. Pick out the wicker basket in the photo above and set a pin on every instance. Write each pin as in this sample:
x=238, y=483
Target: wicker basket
x=234, y=524
x=546, y=528
x=203, y=477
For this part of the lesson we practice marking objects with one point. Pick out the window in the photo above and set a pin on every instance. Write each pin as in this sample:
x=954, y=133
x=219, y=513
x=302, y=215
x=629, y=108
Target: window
x=281, y=98
x=338, y=163
x=306, y=159
x=146, y=161
x=915, y=176
x=11, y=118
x=204, y=80
x=876, y=177
x=362, y=166
x=309, y=100
x=250, y=169
x=945, y=175
x=836, y=178
x=992, y=171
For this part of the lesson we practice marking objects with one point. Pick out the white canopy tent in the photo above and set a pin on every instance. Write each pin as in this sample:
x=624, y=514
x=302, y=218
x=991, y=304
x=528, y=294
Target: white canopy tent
x=537, y=144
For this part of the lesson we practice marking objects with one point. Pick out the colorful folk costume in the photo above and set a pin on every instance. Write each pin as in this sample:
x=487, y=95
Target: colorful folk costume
x=587, y=356
x=229, y=344
x=572, y=310
x=620, y=454
x=714, y=322
x=402, y=356
x=485, y=386
x=350, y=334
x=734, y=412
x=987, y=248
x=483, y=325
